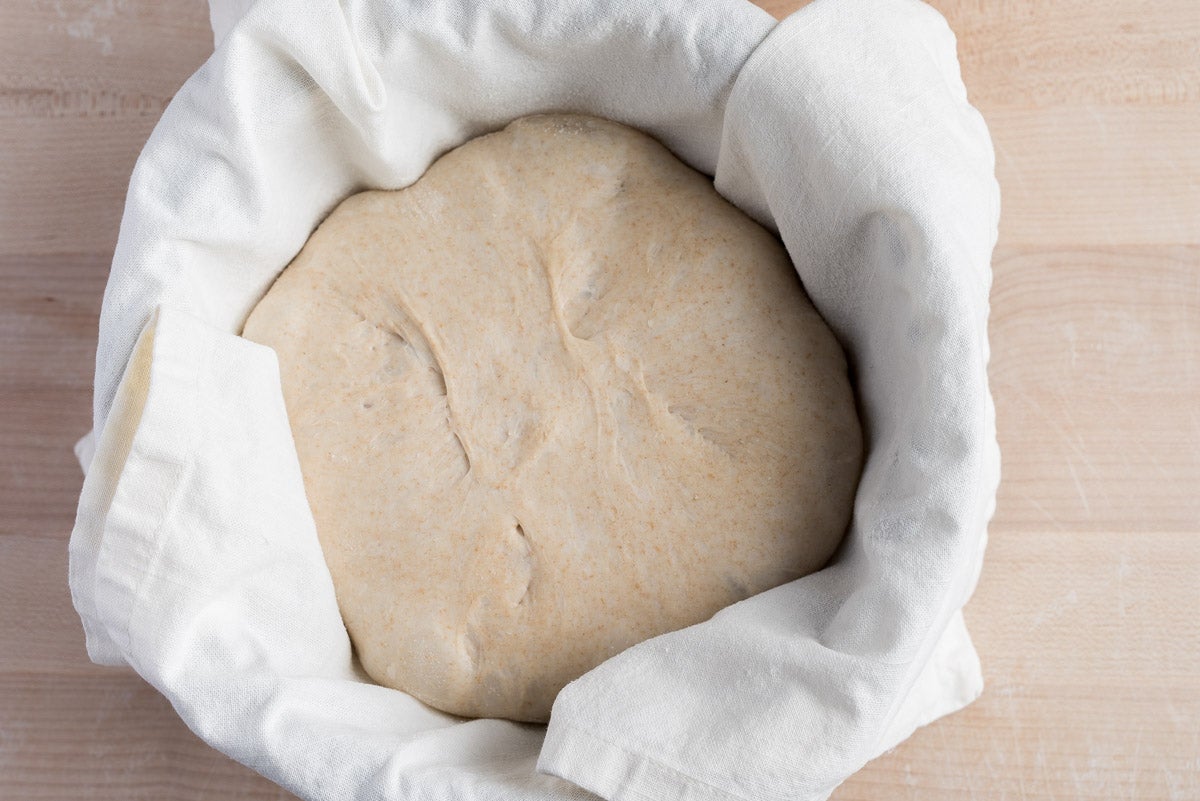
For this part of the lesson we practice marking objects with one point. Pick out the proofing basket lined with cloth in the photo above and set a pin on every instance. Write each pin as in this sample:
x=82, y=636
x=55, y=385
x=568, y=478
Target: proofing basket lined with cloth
x=194, y=558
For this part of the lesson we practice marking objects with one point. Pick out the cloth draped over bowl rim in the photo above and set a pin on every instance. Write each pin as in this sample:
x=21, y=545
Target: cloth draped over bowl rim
x=194, y=559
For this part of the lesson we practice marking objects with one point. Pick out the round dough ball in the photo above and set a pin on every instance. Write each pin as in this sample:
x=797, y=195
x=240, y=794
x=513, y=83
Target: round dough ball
x=553, y=399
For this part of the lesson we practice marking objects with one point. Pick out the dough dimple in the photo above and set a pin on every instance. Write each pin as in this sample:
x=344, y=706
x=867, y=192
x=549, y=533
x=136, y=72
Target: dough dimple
x=553, y=399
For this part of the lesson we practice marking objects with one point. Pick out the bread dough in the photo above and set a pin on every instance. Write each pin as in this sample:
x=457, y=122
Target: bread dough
x=555, y=398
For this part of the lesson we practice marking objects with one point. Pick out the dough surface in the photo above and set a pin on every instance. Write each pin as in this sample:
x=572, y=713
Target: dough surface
x=555, y=398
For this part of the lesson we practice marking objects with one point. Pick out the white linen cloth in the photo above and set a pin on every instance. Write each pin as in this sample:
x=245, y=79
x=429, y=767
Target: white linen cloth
x=194, y=557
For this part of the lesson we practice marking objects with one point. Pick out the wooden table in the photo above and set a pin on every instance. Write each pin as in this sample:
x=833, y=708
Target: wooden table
x=1086, y=616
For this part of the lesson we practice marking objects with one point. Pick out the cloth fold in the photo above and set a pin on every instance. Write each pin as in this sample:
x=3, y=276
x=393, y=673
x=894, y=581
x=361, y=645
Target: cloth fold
x=194, y=558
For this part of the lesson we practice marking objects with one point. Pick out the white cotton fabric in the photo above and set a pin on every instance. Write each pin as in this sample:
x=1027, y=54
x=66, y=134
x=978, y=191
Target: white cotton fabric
x=194, y=558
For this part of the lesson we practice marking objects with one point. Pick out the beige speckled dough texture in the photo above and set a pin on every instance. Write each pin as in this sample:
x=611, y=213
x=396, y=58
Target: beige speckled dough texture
x=553, y=399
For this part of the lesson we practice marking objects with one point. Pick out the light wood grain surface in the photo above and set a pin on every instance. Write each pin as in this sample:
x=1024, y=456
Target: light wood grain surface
x=1086, y=616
